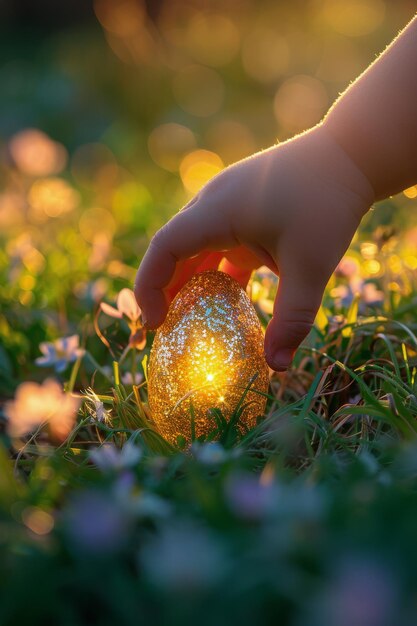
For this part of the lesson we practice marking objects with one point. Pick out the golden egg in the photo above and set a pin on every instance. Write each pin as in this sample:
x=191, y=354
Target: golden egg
x=204, y=356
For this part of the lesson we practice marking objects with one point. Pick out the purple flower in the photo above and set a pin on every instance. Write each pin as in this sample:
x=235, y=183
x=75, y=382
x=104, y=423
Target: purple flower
x=60, y=353
x=94, y=524
x=249, y=498
x=362, y=592
x=128, y=379
x=184, y=557
x=109, y=458
x=211, y=453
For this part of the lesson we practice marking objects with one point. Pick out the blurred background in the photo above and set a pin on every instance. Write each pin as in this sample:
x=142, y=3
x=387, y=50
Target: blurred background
x=114, y=112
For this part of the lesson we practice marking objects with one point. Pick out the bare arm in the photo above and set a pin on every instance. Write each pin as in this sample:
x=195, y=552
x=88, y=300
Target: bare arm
x=295, y=207
x=375, y=120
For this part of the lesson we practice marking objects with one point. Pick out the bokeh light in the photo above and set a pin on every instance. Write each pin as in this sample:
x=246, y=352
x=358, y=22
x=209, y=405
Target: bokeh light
x=231, y=140
x=411, y=192
x=38, y=521
x=96, y=220
x=123, y=18
x=265, y=55
x=299, y=103
x=198, y=90
x=212, y=39
x=168, y=143
x=355, y=18
x=35, y=154
x=12, y=206
x=51, y=197
x=198, y=167
x=132, y=204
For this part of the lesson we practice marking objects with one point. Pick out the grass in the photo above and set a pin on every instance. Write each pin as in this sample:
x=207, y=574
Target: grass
x=294, y=518
x=310, y=516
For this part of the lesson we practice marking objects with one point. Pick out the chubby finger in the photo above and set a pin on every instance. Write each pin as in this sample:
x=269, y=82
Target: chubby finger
x=186, y=235
x=296, y=305
x=241, y=261
x=186, y=269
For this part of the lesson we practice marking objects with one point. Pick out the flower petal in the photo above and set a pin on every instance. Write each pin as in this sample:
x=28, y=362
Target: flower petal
x=61, y=365
x=138, y=339
x=47, y=348
x=73, y=343
x=106, y=457
x=36, y=404
x=126, y=303
x=130, y=454
x=44, y=361
x=110, y=310
x=61, y=344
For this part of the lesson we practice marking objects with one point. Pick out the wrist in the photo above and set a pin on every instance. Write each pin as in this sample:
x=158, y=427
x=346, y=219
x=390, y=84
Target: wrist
x=324, y=154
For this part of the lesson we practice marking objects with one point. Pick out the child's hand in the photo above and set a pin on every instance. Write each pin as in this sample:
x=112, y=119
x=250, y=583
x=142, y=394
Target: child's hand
x=294, y=207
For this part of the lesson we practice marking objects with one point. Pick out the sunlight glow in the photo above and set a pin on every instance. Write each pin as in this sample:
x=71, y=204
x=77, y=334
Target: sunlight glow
x=208, y=367
x=198, y=167
x=36, y=154
x=204, y=356
x=411, y=192
x=38, y=521
x=52, y=197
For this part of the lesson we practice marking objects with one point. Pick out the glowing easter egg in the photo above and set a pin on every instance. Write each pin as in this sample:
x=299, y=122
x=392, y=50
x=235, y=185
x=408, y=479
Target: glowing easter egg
x=204, y=356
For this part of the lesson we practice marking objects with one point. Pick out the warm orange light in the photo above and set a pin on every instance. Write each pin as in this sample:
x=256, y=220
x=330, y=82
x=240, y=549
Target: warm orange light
x=355, y=18
x=38, y=521
x=35, y=154
x=205, y=354
x=52, y=197
x=411, y=192
x=198, y=167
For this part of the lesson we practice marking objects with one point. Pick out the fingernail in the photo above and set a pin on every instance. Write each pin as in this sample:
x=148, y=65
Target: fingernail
x=280, y=360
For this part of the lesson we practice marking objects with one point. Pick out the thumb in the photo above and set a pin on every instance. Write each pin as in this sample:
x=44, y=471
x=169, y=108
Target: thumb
x=187, y=234
x=296, y=305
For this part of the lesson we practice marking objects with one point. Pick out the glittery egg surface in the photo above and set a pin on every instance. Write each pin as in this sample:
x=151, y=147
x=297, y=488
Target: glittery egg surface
x=204, y=355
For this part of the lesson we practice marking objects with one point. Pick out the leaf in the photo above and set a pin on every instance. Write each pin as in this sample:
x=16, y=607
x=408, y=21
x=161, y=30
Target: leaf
x=145, y=366
x=352, y=317
x=321, y=321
